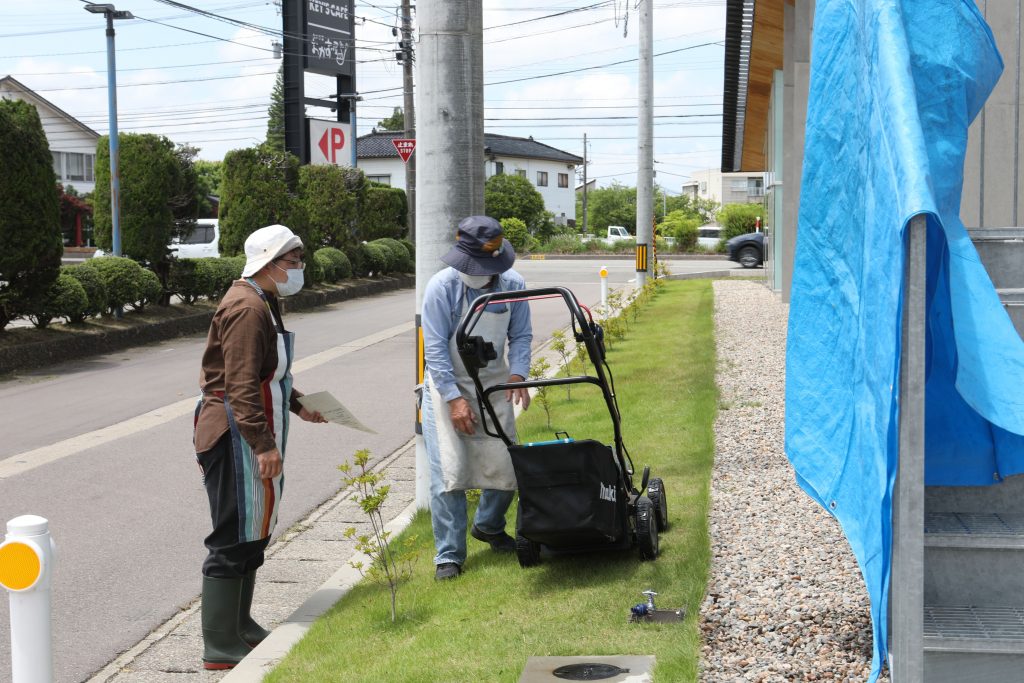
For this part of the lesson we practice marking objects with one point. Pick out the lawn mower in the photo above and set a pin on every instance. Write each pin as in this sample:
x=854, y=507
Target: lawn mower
x=575, y=495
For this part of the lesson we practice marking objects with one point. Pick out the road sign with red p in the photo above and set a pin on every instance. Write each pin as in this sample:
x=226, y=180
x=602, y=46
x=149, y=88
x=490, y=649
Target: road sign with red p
x=330, y=142
x=405, y=147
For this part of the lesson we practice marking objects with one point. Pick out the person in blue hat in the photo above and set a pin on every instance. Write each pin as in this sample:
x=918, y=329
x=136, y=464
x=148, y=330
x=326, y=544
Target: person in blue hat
x=460, y=454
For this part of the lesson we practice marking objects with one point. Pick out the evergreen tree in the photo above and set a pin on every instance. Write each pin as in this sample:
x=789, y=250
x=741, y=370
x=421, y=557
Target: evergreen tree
x=275, y=125
x=395, y=122
x=30, y=239
x=159, y=196
x=259, y=187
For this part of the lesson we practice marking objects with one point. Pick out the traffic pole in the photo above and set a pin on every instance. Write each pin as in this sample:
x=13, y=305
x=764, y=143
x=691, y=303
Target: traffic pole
x=27, y=556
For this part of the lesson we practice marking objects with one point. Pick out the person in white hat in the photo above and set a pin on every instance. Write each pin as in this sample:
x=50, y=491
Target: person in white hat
x=241, y=429
x=461, y=456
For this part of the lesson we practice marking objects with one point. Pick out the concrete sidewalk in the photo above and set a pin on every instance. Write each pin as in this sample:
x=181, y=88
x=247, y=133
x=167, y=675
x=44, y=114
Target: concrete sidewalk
x=306, y=572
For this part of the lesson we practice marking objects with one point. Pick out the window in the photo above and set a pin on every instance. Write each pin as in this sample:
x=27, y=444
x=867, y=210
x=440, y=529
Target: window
x=499, y=168
x=382, y=179
x=542, y=178
x=563, y=180
x=201, y=234
x=755, y=187
x=58, y=164
x=76, y=166
x=521, y=172
x=90, y=161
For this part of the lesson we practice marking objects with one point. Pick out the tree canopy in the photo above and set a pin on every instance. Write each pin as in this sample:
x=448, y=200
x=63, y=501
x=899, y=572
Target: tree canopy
x=512, y=196
x=30, y=237
x=159, y=195
x=394, y=122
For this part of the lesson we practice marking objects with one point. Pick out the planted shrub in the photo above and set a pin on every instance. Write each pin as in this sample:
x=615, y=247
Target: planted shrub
x=382, y=213
x=399, y=261
x=95, y=290
x=120, y=277
x=411, y=248
x=516, y=232
x=339, y=261
x=65, y=298
x=223, y=272
x=373, y=259
x=150, y=289
x=314, y=272
x=184, y=280
x=324, y=267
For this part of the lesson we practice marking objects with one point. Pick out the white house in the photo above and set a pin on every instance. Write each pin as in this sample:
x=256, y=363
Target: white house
x=726, y=188
x=72, y=143
x=550, y=170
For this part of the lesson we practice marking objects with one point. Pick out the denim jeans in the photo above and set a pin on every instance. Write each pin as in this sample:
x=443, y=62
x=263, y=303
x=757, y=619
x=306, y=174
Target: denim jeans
x=448, y=514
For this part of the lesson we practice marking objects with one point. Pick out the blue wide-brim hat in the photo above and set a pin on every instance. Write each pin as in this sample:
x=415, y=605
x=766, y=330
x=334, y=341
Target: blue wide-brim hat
x=480, y=247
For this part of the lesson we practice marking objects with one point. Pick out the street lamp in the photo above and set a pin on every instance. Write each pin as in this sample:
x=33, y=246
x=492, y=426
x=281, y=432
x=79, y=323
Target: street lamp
x=115, y=162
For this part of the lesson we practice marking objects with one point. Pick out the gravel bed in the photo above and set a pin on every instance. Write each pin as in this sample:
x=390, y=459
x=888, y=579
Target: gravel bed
x=786, y=601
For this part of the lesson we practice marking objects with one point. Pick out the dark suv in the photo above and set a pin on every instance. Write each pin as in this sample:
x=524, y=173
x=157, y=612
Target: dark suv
x=747, y=250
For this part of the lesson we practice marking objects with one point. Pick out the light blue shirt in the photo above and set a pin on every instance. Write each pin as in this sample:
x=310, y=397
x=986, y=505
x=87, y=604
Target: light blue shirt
x=442, y=311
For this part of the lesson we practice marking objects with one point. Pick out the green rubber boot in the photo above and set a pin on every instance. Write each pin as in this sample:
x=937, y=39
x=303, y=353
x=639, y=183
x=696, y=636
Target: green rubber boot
x=252, y=633
x=223, y=647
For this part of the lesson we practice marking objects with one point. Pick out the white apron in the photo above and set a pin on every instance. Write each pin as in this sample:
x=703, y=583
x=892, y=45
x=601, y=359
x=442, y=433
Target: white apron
x=477, y=461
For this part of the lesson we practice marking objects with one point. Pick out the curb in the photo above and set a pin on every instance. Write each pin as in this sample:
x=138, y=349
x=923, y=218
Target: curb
x=70, y=343
x=709, y=275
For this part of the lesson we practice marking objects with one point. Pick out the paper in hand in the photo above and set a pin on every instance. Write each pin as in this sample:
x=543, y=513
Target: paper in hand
x=332, y=410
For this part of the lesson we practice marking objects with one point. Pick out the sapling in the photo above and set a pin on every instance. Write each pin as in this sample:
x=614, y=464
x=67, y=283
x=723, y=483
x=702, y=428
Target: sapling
x=558, y=343
x=387, y=566
x=538, y=370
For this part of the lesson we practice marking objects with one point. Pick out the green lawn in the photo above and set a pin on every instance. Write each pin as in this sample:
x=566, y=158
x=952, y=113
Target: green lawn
x=482, y=627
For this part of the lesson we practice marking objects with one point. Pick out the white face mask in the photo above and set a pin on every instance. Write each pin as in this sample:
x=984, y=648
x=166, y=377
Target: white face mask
x=296, y=278
x=475, y=281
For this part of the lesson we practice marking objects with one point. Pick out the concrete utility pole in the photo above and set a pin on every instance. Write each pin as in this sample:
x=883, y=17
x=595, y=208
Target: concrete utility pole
x=450, y=146
x=410, y=113
x=585, y=230
x=645, y=146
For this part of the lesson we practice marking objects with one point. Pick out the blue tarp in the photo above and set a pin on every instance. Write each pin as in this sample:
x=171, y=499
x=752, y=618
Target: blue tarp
x=894, y=87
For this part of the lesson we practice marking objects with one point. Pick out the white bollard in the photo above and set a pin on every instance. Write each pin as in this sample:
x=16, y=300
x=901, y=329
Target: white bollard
x=604, y=289
x=27, y=557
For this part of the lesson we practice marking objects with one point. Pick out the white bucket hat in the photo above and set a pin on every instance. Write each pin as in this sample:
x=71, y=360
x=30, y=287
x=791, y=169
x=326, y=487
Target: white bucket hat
x=265, y=245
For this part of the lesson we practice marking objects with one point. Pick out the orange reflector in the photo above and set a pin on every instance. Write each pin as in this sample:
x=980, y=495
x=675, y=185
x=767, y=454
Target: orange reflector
x=20, y=566
x=604, y=272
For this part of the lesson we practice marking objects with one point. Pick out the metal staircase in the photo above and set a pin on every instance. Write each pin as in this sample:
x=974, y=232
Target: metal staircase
x=971, y=586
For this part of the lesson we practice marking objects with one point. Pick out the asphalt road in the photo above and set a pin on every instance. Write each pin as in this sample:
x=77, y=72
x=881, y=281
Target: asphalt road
x=102, y=449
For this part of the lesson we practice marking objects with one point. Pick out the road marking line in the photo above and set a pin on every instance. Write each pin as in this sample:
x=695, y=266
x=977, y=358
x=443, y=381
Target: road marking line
x=29, y=460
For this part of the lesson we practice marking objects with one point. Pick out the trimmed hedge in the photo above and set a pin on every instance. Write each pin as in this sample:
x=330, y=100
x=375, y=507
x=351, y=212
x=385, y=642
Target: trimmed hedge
x=372, y=259
x=398, y=255
x=322, y=267
x=121, y=278
x=383, y=212
x=150, y=289
x=95, y=290
x=66, y=298
x=195, y=278
x=338, y=264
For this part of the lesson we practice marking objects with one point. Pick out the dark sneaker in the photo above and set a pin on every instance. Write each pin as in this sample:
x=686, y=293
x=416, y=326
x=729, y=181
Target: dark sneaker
x=447, y=570
x=500, y=542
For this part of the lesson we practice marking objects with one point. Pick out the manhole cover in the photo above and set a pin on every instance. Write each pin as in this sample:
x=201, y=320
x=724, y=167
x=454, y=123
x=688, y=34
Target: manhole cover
x=588, y=672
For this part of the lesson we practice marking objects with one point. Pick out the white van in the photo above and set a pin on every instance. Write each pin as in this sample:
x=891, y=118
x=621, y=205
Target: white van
x=709, y=236
x=202, y=242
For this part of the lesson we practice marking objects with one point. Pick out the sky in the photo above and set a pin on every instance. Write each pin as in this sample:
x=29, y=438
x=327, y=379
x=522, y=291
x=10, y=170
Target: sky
x=207, y=82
